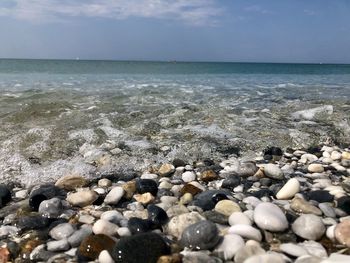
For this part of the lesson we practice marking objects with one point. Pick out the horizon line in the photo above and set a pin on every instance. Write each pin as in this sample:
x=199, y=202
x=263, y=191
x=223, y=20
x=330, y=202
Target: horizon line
x=176, y=61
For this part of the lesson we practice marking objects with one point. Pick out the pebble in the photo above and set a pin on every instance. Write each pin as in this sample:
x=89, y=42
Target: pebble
x=273, y=171
x=177, y=224
x=327, y=210
x=82, y=198
x=227, y=207
x=157, y=215
x=267, y=258
x=71, y=182
x=22, y=194
x=59, y=245
x=342, y=233
x=229, y=246
x=321, y=196
x=105, y=227
x=44, y=192
x=314, y=248
x=146, y=186
x=104, y=182
x=62, y=231
x=270, y=217
x=315, y=168
x=114, y=196
x=330, y=232
x=51, y=208
x=78, y=236
x=239, y=218
x=112, y=216
x=309, y=226
x=105, y=257
x=188, y=176
x=138, y=225
x=289, y=189
x=208, y=175
x=91, y=247
x=246, y=231
x=202, y=235
x=166, y=169
x=337, y=258
x=302, y=206
x=145, y=247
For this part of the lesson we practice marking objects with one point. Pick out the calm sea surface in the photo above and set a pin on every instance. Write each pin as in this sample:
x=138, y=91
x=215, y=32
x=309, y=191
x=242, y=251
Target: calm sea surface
x=61, y=116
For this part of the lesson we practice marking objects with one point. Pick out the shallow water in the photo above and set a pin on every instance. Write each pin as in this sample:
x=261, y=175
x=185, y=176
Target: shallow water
x=55, y=115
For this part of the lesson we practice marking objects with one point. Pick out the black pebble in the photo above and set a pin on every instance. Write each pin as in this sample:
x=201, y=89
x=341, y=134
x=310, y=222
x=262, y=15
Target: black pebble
x=321, y=196
x=146, y=186
x=178, y=162
x=137, y=225
x=145, y=248
x=33, y=222
x=344, y=204
x=5, y=195
x=231, y=182
x=157, y=215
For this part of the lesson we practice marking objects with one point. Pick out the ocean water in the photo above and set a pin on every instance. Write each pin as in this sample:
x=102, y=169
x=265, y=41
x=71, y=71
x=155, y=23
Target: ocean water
x=95, y=117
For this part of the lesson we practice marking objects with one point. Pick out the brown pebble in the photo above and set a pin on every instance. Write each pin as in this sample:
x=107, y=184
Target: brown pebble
x=208, y=175
x=92, y=246
x=342, y=233
x=129, y=188
x=190, y=188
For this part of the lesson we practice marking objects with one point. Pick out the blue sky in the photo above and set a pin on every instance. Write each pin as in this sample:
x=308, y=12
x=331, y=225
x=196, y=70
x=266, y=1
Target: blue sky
x=192, y=30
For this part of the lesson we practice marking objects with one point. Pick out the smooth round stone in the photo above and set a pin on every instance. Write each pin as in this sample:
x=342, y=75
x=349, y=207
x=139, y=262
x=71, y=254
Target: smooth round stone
x=215, y=217
x=337, y=258
x=105, y=257
x=62, y=231
x=22, y=194
x=114, y=196
x=327, y=210
x=138, y=225
x=252, y=248
x=227, y=207
x=45, y=192
x=289, y=189
x=208, y=175
x=156, y=215
x=146, y=186
x=321, y=196
x=309, y=226
x=166, y=169
x=239, y=218
x=59, y=245
x=92, y=245
x=270, y=217
x=112, y=216
x=330, y=232
x=314, y=248
x=302, y=206
x=229, y=246
x=208, y=199
x=145, y=247
x=342, y=233
x=267, y=258
x=188, y=176
x=105, y=227
x=104, y=182
x=71, y=182
x=144, y=199
x=315, y=168
x=5, y=195
x=165, y=185
x=335, y=155
x=246, y=231
x=273, y=171
x=51, y=208
x=86, y=219
x=247, y=169
x=177, y=224
x=178, y=163
x=78, y=236
x=124, y=232
x=293, y=249
x=200, y=236
x=82, y=198
x=308, y=259
x=252, y=200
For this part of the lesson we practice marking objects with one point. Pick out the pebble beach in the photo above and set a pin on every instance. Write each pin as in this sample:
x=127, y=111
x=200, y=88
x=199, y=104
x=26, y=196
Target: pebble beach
x=284, y=205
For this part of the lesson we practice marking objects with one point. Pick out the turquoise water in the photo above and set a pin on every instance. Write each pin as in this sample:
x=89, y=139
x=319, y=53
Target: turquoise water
x=52, y=111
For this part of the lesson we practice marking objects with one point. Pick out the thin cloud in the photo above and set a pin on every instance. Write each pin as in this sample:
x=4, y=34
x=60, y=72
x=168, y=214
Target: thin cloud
x=257, y=9
x=194, y=12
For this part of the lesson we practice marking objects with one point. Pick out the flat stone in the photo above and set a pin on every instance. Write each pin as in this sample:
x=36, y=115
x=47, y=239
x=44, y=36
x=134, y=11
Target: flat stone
x=202, y=235
x=71, y=182
x=62, y=231
x=78, y=236
x=227, y=207
x=273, y=171
x=321, y=196
x=229, y=246
x=208, y=175
x=112, y=216
x=129, y=189
x=309, y=226
x=51, y=208
x=302, y=206
x=327, y=210
x=308, y=259
x=59, y=245
x=314, y=248
x=289, y=189
x=342, y=233
x=293, y=249
x=82, y=198
x=246, y=231
x=270, y=217
x=145, y=198
x=114, y=196
x=105, y=227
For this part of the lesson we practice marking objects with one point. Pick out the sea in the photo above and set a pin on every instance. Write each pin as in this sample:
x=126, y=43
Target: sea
x=98, y=117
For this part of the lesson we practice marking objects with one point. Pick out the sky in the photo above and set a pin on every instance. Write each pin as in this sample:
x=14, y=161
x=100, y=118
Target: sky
x=301, y=31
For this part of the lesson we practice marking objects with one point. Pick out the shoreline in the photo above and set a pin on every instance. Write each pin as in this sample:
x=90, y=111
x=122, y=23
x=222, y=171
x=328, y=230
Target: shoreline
x=283, y=206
